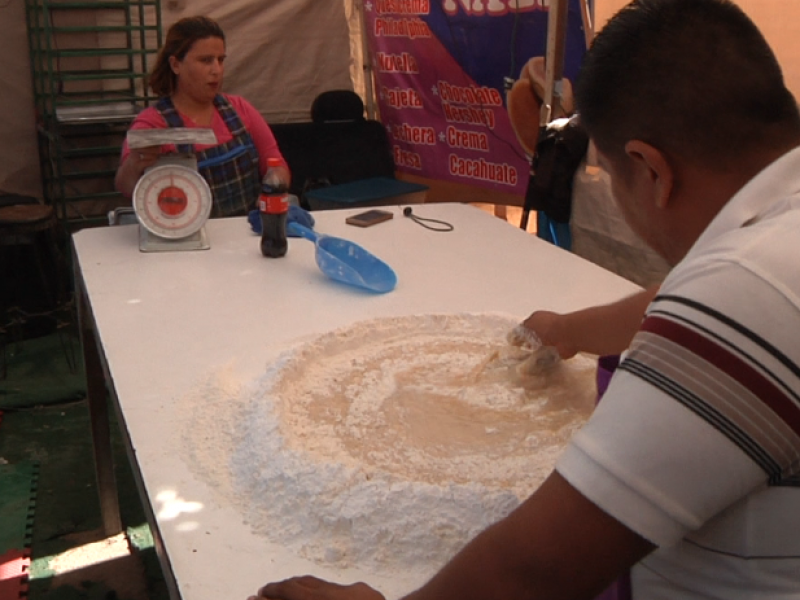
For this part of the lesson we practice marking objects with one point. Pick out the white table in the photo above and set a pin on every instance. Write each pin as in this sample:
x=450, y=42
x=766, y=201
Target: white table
x=163, y=320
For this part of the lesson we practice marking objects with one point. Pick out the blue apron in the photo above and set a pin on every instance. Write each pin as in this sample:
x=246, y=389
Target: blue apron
x=230, y=169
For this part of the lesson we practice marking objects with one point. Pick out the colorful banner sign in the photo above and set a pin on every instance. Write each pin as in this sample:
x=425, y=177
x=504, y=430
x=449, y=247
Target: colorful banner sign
x=439, y=67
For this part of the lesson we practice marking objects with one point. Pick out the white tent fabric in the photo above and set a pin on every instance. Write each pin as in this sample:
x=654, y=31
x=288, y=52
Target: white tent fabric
x=19, y=156
x=281, y=55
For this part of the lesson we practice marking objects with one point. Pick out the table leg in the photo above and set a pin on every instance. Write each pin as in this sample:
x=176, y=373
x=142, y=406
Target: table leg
x=98, y=412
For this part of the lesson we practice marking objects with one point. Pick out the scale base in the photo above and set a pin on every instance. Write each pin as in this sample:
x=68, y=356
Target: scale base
x=152, y=243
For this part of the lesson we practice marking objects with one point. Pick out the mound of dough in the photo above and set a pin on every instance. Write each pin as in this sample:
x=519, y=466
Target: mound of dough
x=392, y=442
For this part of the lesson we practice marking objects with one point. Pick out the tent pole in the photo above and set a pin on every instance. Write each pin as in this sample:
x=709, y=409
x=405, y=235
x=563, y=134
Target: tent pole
x=369, y=90
x=554, y=61
x=588, y=27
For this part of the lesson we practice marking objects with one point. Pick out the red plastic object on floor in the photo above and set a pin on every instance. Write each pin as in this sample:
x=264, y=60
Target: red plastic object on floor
x=14, y=568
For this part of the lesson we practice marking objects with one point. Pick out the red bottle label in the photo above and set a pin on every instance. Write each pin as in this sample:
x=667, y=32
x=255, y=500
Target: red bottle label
x=273, y=204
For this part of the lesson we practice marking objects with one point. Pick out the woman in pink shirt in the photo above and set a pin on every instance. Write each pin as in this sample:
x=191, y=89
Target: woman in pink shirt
x=188, y=77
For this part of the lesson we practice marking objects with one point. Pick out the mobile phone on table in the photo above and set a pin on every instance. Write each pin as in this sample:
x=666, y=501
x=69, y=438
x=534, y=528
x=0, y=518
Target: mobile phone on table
x=369, y=218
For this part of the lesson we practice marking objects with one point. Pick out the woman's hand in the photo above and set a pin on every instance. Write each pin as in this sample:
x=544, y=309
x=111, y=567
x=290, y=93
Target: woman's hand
x=313, y=588
x=144, y=158
x=131, y=170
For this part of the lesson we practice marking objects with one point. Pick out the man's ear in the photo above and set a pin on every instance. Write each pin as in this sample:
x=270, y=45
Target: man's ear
x=653, y=164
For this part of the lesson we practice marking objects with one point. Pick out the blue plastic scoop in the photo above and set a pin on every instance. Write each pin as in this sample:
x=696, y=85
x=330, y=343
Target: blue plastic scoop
x=348, y=262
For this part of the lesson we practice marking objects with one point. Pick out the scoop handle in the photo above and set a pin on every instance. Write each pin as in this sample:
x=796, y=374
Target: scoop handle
x=302, y=231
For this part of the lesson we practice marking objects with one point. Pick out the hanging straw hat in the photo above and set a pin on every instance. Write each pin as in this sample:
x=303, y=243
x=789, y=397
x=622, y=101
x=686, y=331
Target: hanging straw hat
x=525, y=99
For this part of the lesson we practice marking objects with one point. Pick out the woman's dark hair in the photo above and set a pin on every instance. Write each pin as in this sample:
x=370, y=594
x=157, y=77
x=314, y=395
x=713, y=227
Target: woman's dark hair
x=693, y=78
x=180, y=38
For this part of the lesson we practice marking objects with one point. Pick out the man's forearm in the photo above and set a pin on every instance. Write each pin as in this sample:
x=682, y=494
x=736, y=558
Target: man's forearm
x=556, y=545
x=609, y=329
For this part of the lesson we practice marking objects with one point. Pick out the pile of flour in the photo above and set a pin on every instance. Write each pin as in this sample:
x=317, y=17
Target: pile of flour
x=390, y=443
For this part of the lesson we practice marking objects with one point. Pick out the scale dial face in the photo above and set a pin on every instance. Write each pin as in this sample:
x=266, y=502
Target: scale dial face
x=172, y=201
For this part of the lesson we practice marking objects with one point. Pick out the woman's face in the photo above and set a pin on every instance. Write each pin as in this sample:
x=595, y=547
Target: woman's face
x=200, y=73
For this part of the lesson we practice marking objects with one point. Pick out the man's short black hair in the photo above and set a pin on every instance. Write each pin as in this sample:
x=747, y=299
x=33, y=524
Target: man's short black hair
x=694, y=78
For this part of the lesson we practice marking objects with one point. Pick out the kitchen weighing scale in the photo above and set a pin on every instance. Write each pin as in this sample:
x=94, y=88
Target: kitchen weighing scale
x=171, y=200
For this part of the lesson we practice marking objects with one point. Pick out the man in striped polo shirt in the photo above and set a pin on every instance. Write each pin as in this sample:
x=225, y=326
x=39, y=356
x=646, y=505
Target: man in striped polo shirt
x=696, y=444
x=686, y=475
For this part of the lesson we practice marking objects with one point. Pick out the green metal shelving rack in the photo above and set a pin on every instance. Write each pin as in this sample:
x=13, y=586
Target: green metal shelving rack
x=89, y=67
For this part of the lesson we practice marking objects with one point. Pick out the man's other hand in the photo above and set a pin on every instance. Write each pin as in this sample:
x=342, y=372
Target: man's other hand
x=313, y=588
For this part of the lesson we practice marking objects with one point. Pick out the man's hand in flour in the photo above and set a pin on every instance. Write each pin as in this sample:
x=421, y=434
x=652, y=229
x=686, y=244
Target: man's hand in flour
x=553, y=329
x=312, y=588
x=603, y=329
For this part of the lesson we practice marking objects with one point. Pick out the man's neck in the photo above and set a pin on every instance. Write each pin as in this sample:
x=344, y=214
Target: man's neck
x=707, y=191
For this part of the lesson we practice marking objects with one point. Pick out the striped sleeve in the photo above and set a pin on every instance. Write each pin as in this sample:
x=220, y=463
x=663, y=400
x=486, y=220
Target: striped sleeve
x=728, y=375
x=702, y=412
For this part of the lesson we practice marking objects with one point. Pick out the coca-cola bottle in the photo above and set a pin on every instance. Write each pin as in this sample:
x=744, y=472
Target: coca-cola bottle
x=273, y=205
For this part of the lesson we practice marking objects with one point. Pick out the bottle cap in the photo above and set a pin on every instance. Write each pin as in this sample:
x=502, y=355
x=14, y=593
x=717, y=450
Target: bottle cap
x=274, y=181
